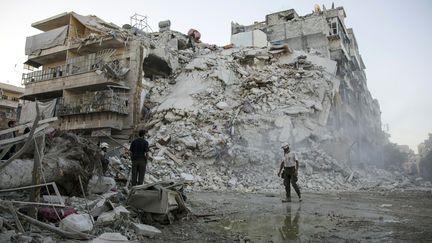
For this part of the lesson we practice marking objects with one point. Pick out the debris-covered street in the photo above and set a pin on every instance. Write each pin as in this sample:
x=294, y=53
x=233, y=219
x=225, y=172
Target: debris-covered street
x=332, y=216
x=124, y=133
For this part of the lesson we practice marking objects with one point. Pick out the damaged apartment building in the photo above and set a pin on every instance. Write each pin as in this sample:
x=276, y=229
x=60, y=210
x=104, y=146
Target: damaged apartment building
x=355, y=114
x=9, y=101
x=90, y=71
x=97, y=75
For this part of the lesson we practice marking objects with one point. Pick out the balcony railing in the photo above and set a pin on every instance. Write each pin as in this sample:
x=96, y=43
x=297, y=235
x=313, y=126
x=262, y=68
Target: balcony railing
x=93, y=102
x=7, y=115
x=73, y=66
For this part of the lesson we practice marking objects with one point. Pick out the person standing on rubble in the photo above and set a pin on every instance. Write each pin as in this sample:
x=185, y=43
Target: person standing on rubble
x=105, y=161
x=139, y=148
x=289, y=165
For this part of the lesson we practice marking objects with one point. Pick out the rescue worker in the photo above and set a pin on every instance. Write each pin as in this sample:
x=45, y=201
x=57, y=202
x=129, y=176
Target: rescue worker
x=139, y=148
x=289, y=165
x=105, y=161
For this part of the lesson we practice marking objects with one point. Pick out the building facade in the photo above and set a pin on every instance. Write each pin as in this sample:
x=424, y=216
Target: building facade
x=9, y=101
x=356, y=114
x=90, y=68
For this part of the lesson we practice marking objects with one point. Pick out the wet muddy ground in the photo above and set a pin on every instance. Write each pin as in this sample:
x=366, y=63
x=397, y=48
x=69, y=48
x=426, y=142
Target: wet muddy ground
x=328, y=217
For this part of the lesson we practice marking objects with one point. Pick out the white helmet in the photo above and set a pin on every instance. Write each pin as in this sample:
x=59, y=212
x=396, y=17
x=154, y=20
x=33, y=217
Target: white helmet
x=104, y=145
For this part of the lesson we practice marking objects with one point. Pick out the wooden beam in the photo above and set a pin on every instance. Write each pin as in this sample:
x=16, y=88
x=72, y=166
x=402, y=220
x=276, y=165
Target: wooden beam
x=27, y=143
x=37, y=173
x=29, y=125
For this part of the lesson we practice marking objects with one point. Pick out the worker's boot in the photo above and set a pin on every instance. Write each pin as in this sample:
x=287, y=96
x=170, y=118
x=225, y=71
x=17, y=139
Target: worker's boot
x=288, y=199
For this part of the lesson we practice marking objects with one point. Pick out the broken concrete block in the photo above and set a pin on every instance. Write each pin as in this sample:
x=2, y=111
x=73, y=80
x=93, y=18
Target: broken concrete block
x=232, y=182
x=77, y=222
x=146, y=230
x=171, y=117
x=111, y=216
x=222, y=105
x=225, y=75
x=294, y=110
x=110, y=237
x=197, y=63
x=189, y=142
x=187, y=177
x=101, y=207
x=101, y=184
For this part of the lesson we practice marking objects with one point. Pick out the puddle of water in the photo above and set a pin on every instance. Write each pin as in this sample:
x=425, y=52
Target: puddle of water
x=288, y=226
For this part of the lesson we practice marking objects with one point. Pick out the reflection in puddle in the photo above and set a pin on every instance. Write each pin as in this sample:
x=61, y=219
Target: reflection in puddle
x=269, y=228
x=290, y=227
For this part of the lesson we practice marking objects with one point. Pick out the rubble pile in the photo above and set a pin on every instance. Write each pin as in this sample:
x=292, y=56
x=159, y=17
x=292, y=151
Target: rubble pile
x=225, y=112
x=66, y=156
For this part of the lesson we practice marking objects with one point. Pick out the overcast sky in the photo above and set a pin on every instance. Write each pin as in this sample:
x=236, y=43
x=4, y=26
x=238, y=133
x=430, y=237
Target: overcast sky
x=395, y=41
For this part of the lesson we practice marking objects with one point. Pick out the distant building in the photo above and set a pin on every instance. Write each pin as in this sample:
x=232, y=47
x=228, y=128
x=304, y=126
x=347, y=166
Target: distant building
x=9, y=100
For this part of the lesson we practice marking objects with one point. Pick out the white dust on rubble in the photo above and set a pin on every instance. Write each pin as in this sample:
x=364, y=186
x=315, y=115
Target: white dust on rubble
x=226, y=113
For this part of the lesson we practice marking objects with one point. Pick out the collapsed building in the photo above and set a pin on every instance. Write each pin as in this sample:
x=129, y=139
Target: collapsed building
x=216, y=117
x=354, y=113
x=290, y=79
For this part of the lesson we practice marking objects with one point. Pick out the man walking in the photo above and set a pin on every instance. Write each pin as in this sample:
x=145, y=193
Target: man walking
x=139, y=148
x=289, y=165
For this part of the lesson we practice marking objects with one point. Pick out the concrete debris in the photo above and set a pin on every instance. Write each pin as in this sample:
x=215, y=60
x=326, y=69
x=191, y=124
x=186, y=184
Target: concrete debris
x=66, y=155
x=187, y=178
x=111, y=216
x=77, y=222
x=216, y=118
x=101, y=184
x=110, y=237
x=146, y=230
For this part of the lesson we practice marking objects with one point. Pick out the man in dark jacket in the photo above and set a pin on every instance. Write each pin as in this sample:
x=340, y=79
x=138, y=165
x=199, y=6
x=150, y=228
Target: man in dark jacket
x=139, y=148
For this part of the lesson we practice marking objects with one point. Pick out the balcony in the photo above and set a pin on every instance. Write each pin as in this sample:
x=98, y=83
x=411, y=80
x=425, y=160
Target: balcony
x=338, y=32
x=8, y=103
x=47, y=47
x=73, y=66
x=8, y=115
x=94, y=102
x=76, y=65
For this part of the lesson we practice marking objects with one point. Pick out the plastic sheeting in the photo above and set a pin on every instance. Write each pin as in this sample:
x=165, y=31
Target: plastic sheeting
x=94, y=23
x=28, y=111
x=46, y=40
